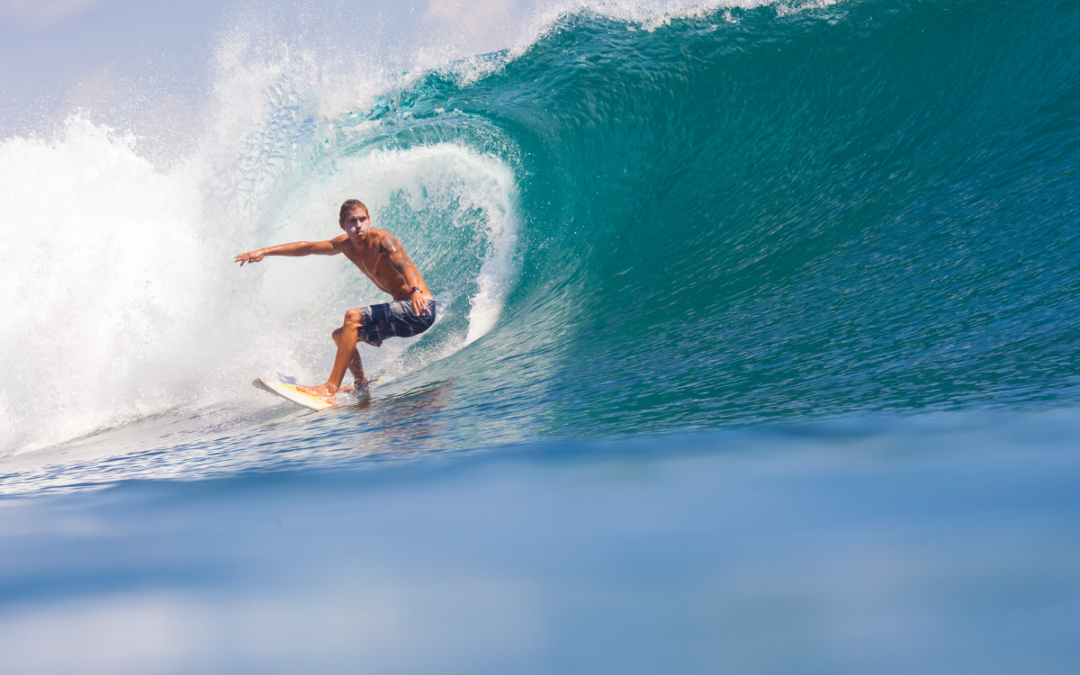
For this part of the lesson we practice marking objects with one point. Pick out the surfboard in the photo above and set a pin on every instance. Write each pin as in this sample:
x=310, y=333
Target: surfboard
x=289, y=392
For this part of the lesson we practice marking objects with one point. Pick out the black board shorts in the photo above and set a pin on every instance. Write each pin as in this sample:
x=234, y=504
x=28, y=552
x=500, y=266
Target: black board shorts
x=394, y=319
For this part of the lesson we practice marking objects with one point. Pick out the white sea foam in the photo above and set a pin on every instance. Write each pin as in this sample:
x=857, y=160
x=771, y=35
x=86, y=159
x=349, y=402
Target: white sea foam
x=104, y=270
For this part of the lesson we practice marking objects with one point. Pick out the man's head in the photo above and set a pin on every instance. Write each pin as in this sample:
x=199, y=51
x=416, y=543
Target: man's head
x=354, y=218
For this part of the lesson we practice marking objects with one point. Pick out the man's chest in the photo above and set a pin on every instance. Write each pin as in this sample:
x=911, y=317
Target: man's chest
x=371, y=262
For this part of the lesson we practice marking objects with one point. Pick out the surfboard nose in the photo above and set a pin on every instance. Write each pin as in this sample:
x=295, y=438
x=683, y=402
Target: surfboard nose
x=289, y=392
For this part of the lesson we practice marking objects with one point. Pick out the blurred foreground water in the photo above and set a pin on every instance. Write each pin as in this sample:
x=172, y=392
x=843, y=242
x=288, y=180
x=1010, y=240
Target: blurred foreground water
x=941, y=544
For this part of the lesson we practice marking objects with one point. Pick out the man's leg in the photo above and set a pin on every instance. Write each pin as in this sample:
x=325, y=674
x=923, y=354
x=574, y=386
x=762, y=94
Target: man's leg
x=355, y=365
x=345, y=353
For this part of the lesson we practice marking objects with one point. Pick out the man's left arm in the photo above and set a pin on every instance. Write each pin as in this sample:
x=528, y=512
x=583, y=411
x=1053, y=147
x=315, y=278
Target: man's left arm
x=395, y=255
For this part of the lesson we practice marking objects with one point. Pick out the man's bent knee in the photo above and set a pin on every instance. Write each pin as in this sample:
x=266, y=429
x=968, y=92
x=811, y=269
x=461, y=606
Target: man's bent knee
x=353, y=319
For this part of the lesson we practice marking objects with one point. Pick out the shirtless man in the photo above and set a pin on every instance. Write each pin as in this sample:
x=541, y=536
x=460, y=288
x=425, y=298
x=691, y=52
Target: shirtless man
x=381, y=257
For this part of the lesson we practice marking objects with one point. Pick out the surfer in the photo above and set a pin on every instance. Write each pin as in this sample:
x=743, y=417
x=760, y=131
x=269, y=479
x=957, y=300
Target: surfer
x=380, y=256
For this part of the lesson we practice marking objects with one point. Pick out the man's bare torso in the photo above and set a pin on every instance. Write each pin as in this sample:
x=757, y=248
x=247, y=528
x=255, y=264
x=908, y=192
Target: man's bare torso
x=370, y=254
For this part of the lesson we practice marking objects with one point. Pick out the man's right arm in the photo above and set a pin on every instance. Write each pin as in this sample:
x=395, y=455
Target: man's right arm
x=296, y=249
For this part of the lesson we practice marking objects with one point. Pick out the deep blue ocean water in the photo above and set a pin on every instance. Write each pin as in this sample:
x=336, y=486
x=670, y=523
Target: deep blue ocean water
x=758, y=355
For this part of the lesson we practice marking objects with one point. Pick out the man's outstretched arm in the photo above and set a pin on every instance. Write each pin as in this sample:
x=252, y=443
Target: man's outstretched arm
x=295, y=250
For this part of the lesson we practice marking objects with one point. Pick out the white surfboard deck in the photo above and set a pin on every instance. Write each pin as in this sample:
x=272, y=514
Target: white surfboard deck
x=289, y=392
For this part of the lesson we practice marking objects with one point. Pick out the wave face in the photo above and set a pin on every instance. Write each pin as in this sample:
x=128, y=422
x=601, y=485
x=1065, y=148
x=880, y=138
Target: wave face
x=769, y=213
x=756, y=214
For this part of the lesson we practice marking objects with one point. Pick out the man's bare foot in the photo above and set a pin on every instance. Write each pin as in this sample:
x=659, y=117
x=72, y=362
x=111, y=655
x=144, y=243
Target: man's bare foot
x=326, y=392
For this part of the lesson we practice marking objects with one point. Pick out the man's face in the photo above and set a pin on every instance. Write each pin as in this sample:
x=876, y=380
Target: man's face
x=356, y=223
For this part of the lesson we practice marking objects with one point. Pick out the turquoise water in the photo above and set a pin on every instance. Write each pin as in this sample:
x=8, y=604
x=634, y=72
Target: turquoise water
x=863, y=208
x=759, y=355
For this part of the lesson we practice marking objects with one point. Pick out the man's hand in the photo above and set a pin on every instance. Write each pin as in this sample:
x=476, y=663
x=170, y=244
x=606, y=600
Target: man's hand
x=419, y=303
x=250, y=257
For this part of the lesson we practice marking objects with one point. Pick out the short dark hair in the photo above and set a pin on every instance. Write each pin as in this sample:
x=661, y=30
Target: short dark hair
x=351, y=205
